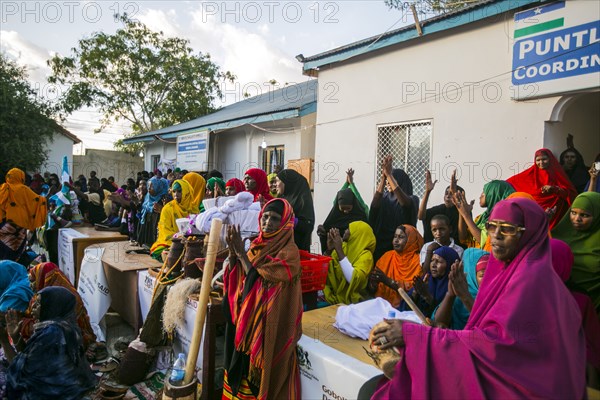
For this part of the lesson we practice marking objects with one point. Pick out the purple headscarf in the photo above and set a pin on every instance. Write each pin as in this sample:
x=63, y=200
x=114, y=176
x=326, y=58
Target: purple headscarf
x=523, y=339
x=439, y=286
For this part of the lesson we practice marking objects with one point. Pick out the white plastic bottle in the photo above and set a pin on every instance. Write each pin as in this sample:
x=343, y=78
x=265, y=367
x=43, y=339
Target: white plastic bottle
x=178, y=372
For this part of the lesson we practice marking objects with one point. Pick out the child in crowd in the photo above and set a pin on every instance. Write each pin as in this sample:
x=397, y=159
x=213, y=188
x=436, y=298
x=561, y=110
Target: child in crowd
x=442, y=236
x=447, y=208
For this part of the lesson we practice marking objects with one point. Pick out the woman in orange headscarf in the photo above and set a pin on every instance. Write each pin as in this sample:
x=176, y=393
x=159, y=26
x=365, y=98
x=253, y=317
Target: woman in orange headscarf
x=547, y=182
x=21, y=209
x=398, y=267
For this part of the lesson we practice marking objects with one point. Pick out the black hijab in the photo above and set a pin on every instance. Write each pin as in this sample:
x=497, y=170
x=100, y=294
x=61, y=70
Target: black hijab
x=579, y=175
x=390, y=214
x=57, y=304
x=340, y=220
x=297, y=193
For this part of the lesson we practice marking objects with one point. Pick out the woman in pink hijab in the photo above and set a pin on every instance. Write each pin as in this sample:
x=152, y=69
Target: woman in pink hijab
x=523, y=338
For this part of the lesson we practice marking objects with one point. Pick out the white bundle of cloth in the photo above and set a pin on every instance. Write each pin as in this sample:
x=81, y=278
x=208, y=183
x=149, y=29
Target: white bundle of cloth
x=357, y=320
x=238, y=210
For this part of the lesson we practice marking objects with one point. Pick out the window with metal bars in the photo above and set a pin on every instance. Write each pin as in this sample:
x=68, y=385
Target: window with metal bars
x=272, y=156
x=409, y=143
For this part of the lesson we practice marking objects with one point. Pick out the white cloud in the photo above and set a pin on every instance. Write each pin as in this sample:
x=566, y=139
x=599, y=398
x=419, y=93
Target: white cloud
x=159, y=20
x=250, y=56
x=26, y=54
x=263, y=29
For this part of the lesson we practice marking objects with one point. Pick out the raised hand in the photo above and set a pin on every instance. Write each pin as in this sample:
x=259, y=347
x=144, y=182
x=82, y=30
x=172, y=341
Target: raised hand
x=458, y=279
x=453, y=182
x=429, y=184
x=422, y=290
x=13, y=323
x=262, y=201
x=336, y=240
x=234, y=241
x=386, y=166
x=350, y=176
x=461, y=203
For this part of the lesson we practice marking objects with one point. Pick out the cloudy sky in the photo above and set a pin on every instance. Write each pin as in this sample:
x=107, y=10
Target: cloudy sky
x=256, y=40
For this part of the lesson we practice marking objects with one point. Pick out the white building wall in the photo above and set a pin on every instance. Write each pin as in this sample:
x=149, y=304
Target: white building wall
x=479, y=129
x=61, y=146
x=235, y=151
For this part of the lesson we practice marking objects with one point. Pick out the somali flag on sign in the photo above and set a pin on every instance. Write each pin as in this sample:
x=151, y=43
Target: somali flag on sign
x=539, y=19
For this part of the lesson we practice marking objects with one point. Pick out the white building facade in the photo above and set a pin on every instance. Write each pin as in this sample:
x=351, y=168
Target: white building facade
x=448, y=100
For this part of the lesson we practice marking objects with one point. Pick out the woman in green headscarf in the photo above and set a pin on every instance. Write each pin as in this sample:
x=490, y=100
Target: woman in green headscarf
x=473, y=232
x=352, y=261
x=215, y=187
x=580, y=229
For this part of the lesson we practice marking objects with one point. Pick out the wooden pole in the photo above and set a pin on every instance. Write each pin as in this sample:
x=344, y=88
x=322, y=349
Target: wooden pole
x=413, y=306
x=209, y=266
x=416, y=17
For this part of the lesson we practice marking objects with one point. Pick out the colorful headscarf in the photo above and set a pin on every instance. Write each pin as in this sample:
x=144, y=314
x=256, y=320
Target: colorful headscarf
x=359, y=251
x=270, y=177
x=160, y=187
x=500, y=331
x=15, y=292
x=494, y=191
x=49, y=275
x=262, y=185
x=266, y=305
x=562, y=261
x=472, y=258
x=198, y=185
x=172, y=211
x=53, y=363
x=19, y=204
x=585, y=246
x=237, y=184
x=438, y=287
x=210, y=184
x=401, y=267
x=533, y=179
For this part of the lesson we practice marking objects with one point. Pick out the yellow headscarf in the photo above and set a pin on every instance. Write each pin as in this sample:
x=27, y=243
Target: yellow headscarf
x=198, y=184
x=172, y=211
x=359, y=251
x=19, y=204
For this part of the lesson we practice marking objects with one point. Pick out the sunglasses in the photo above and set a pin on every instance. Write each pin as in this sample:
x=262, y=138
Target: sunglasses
x=505, y=229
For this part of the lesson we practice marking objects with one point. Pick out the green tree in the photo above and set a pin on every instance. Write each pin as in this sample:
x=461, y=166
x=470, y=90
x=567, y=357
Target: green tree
x=140, y=76
x=26, y=124
x=429, y=6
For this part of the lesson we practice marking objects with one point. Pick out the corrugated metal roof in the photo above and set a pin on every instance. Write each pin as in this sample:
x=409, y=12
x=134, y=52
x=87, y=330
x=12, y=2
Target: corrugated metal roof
x=469, y=14
x=288, y=102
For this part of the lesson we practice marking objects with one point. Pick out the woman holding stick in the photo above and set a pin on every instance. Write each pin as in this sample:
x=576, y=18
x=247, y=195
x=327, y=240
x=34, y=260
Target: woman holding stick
x=263, y=305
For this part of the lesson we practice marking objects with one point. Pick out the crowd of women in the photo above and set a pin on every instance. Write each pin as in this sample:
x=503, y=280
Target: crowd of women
x=512, y=296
